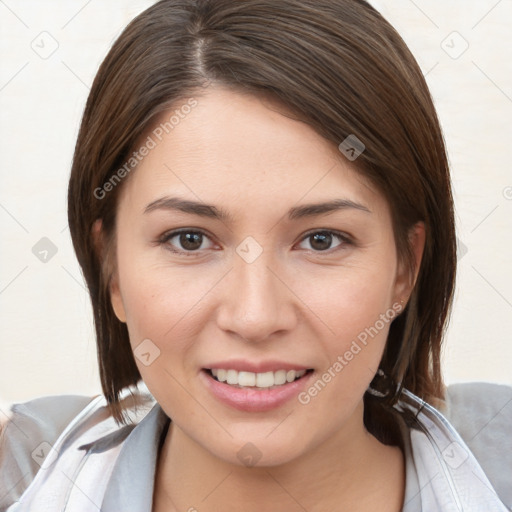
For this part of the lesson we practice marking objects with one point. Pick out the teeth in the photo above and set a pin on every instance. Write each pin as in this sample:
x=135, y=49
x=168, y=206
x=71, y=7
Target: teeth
x=247, y=379
x=263, y=380
x=279, y=377
x=259, y=380
x=232, y=377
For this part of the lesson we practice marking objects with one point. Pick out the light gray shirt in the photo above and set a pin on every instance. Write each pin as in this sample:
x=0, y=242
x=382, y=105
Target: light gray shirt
x=66, y=453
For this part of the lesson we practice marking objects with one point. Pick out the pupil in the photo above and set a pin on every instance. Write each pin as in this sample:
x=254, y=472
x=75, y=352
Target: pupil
x=188, y=240
x=324, y=239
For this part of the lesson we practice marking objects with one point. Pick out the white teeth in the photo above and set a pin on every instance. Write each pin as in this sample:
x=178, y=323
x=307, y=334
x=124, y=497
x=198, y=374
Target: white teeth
x=279, y=377
x=259, y=380
x=232, y=377
x=264, y=380
x=247, y=378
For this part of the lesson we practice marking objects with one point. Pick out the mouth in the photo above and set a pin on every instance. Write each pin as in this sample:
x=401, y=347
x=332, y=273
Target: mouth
x=255, y=392
x=256, y=381
x=255, y=386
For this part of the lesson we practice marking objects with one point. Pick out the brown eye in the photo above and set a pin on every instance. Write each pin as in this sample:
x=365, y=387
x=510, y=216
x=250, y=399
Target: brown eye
x=190, y=241
x=322, y=240
x=184, y=241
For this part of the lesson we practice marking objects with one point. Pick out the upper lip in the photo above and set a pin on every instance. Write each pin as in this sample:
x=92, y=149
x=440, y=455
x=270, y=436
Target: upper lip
x=242, y=365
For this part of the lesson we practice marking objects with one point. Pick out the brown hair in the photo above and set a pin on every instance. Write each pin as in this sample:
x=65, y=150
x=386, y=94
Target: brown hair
x=342, y=69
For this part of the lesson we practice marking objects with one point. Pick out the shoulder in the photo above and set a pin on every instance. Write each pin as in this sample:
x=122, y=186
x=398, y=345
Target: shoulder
x=481, y=412
x=32, y=428
x=479, y=409
x=27, y=431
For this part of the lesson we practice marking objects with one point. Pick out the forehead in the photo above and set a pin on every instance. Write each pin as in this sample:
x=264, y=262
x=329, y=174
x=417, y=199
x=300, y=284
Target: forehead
x=239, y=149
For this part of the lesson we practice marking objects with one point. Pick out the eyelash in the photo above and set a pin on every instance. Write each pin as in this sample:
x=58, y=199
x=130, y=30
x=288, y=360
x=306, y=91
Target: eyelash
x=342, y=237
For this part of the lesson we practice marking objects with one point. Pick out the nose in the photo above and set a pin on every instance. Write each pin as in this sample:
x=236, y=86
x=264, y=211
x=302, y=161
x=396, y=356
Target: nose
x=256, y=301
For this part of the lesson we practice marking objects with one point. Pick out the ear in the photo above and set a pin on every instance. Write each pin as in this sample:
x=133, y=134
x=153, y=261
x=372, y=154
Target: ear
x=108, y=259
x=406, y=280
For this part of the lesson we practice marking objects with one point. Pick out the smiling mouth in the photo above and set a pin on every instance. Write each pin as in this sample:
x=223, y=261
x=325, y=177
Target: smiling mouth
x=250, y=380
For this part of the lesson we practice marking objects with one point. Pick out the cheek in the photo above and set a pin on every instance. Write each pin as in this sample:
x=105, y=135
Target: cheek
x=356, y=310
x=163, y=305
x=350, y=300
x=162, y=302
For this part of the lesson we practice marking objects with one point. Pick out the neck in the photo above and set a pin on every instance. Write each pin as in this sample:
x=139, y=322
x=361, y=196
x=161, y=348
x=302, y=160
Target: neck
x=351, y=470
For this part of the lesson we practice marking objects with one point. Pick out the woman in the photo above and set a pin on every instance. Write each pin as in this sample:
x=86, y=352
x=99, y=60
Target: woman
x=260, y=203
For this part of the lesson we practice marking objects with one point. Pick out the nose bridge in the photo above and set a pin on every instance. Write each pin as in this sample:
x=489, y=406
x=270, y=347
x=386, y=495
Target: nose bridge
x=255, y=303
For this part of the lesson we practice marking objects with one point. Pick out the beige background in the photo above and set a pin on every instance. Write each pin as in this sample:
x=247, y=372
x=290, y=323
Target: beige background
x=47, y=339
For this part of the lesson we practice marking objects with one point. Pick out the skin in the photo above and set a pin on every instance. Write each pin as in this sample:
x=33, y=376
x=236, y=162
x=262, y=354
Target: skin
x=294, y=303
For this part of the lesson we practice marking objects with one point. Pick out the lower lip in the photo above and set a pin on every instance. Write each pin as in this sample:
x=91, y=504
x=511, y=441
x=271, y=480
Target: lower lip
x=254, y=400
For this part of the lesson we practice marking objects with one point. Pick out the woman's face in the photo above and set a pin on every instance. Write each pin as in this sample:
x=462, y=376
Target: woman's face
x=258, y=281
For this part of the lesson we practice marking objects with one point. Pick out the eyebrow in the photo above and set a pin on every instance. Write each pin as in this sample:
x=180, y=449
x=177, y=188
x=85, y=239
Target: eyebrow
x=213, y=212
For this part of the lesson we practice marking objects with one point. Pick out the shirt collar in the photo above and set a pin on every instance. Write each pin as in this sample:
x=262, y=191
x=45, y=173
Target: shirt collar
x=132, y=480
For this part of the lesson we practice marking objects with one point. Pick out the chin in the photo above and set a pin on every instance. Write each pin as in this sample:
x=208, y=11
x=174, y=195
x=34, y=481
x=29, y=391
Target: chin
x=259, y=450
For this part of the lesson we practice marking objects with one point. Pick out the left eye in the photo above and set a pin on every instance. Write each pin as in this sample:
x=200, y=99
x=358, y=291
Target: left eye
x=322, y=240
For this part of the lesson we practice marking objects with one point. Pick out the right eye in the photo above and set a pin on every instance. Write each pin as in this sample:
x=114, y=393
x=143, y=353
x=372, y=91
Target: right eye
x=190, y=241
